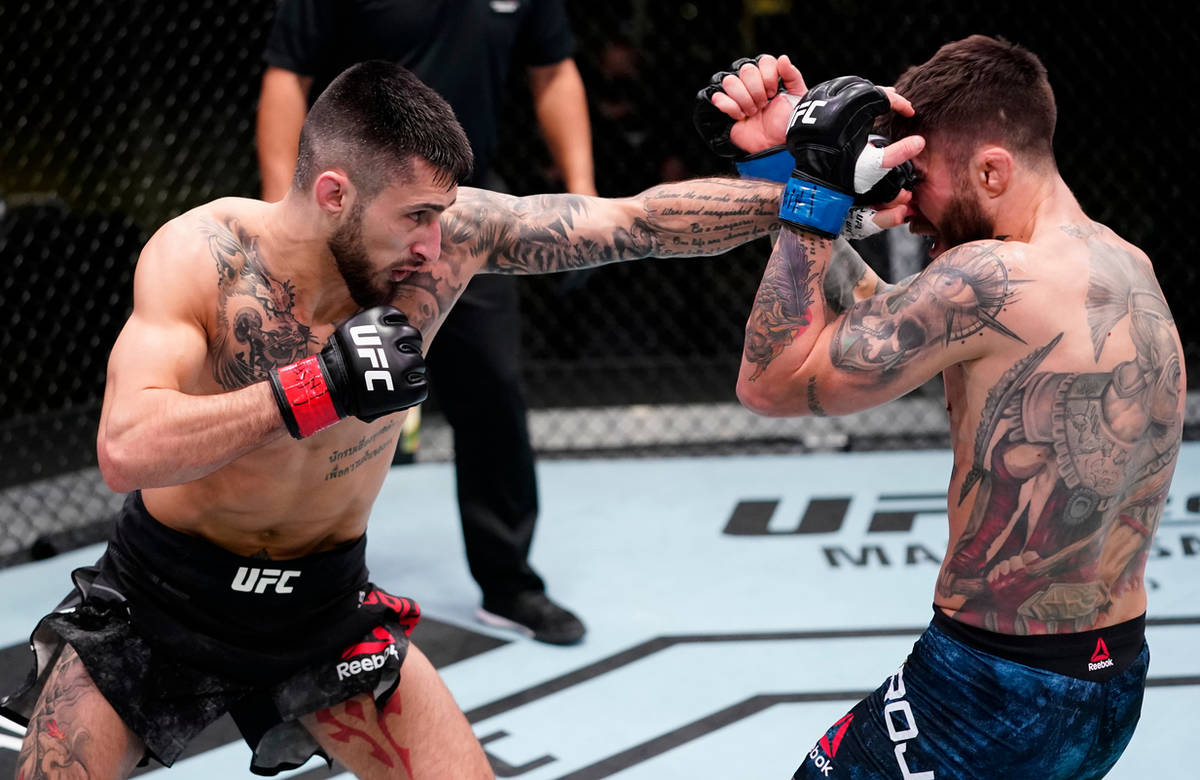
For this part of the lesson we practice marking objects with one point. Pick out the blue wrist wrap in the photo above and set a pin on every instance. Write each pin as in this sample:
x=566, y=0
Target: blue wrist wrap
x=815, y=207
x=775, y=164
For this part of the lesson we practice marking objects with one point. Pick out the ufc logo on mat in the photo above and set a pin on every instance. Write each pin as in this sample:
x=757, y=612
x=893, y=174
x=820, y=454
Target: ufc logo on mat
x=804, y=112
x=258, y=580
x=367, y=336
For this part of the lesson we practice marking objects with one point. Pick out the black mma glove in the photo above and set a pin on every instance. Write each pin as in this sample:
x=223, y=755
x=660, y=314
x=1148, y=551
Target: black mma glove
x=827, y=132
x=371, y=366
x=713, y=125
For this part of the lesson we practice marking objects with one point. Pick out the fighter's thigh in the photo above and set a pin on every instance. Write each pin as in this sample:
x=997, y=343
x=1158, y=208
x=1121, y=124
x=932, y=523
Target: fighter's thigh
x=74, y=731
x=420, y=732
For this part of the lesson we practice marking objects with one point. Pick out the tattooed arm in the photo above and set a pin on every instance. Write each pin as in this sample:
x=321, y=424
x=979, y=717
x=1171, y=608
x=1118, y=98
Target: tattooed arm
x=547, y=233
x=850, y=279
x=152, y=432
x=489, y=232
x=803, y=357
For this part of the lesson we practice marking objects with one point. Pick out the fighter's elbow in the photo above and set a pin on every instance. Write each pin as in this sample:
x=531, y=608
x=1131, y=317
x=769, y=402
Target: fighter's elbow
x=767, y=400
x=118, y=464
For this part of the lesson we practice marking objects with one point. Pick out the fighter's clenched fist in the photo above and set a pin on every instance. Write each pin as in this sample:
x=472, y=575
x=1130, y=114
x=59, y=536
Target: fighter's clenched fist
x=371, y=366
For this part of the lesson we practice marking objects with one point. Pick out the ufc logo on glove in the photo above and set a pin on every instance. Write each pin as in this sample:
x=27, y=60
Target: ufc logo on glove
x=368, y=336
x=371, y=366
x=804, y=112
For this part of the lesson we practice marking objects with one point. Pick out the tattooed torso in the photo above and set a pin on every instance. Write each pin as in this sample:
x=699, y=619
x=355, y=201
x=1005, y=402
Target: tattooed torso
x=248, y=308
x=1065, y=392
x=290, y=497
x=1065, y=431
x=1065, y=442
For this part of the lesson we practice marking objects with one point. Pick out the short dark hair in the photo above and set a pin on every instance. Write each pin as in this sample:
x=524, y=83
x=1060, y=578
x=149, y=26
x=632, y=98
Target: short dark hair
x=371, y=121
x=979, y=90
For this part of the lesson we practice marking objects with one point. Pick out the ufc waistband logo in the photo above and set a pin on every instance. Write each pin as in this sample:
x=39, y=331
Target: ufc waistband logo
x=250, y=579
x=366, y=336
x=804, y=112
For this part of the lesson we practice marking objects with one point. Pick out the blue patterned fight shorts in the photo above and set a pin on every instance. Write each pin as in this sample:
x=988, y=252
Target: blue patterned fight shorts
x=954, y=711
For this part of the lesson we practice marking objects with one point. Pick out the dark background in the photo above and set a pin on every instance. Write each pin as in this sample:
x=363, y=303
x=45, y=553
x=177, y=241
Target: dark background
x=116, y=116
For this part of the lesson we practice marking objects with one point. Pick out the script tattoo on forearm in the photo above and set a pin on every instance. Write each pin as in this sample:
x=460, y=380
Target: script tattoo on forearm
x=814, y=404
x=256, y=330
x=956, y=297
x=783, y=306
x=710, y=216
x=1071, y=470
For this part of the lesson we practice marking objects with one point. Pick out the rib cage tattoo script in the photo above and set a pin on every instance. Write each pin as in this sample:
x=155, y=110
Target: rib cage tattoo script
x=1071, y=469
x=256, y=330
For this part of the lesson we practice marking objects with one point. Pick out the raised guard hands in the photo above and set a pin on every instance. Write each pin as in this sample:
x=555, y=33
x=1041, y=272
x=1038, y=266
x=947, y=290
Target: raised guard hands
x=753, y=156
x=745, y=110
x=758, y=99
x=372, y=366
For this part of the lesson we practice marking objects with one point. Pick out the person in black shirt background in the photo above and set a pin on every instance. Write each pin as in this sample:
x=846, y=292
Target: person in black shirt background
x=463, y=49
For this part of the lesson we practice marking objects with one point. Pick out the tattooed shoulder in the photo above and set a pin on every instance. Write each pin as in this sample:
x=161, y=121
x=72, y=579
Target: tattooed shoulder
x=256, y=329
x=476, y=222
x=1083, y=230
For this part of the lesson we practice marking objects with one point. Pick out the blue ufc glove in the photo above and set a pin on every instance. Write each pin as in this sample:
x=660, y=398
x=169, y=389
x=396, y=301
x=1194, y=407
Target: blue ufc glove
x=827, y=132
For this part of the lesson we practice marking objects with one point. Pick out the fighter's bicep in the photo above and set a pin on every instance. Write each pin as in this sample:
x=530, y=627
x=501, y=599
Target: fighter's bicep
x=854, y=368
x=164, y=343
x=950, y=313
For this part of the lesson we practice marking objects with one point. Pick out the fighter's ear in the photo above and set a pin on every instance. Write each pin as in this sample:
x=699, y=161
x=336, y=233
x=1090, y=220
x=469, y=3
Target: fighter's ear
x=333, y=191
x=992, y=169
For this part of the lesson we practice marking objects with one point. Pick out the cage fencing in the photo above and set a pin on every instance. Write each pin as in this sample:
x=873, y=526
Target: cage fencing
x=118, y=116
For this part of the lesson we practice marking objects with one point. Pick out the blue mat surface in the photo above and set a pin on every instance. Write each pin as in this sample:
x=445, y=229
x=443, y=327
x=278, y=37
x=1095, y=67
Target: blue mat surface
x=736, y=607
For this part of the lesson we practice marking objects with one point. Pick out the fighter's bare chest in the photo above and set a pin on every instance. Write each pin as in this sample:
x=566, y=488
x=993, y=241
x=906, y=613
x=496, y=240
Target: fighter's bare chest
x=250, y=334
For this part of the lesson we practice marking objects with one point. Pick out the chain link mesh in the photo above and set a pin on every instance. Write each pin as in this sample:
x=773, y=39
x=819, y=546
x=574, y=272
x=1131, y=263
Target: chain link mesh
x=117, y=116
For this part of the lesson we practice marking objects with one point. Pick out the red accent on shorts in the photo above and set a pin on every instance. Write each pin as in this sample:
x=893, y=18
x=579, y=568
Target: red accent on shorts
x=408, y=613
x=381, y=634
x=1101, y=653
x=307, y=396
x=831, y=748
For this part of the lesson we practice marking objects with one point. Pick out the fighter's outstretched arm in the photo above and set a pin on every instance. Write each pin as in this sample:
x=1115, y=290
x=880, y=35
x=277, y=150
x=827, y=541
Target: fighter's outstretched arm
x=492, y=232
x=489, y=232
x=548, y=233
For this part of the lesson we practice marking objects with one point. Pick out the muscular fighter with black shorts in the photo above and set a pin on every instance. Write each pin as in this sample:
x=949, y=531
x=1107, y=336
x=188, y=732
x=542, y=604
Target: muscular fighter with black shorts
x=1065, y=392
x=235, y=578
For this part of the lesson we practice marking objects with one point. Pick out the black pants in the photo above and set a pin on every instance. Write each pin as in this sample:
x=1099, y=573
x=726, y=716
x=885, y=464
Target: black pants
x=475, y=376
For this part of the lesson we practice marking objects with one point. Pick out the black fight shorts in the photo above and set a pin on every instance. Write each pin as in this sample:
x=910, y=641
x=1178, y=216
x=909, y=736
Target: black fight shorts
x=175, y=632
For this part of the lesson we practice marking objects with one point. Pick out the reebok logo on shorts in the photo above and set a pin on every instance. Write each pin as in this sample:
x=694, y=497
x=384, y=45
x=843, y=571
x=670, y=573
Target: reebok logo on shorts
x=829, y=744
x=1100, y=657
x=376, y=651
